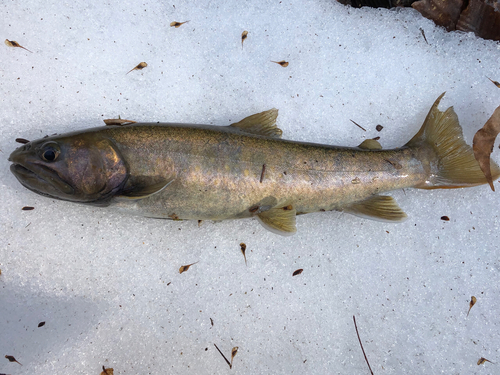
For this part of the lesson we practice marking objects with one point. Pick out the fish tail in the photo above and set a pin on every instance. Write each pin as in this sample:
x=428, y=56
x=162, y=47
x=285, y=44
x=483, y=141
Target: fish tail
x=456, y=166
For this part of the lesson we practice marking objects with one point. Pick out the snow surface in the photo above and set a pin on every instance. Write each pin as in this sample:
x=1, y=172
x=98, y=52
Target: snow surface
x=108, y=286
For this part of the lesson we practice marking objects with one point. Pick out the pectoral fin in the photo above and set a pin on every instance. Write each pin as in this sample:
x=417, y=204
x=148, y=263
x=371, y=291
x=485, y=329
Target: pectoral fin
x=144, y=190
x=378, y=207
x=279, y=220
x=263, y=123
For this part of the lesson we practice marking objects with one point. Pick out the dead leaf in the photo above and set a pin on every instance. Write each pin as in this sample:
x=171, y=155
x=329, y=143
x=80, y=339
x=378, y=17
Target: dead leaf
x=107, y=371
x=140, y=66
x=118, y=121
x=12, y=359
x=177, y=24
x=243, y=247
x=244, y=35
x=443, y=12
x=283, y=63
x=445, y=218
x=212, y=322
x=379, y=127
x=233, y=353
x=482, y=17
x=22, y=140
x=297, y=272
x=185, y=268
x=12, y=43
x=27, y=208
x=497, y=84
x=483, y=143
x=482, y=360
x=471, y=303
x=41, y=324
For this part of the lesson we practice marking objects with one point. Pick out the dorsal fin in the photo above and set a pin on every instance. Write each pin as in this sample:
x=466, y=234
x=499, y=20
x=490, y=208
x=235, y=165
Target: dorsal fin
x=378, y=207
x=370, y=144
x=279, y=220
x=263, y=123
x=118, y=121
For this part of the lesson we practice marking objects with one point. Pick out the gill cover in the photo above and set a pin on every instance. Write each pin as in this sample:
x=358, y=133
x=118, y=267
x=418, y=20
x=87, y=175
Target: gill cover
x=96, y=168
x=85, y=167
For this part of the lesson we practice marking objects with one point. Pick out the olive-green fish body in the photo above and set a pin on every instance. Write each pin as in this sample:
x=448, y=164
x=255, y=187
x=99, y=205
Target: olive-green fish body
x=204, y=172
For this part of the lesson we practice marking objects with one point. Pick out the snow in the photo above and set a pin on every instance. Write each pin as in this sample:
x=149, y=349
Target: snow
x=108, y=286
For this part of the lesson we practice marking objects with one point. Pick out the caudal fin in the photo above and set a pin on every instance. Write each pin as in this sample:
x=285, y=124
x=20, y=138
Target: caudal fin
x=456, y=166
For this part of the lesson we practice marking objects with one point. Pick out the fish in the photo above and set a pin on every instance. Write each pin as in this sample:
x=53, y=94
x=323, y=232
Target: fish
x=206, y=172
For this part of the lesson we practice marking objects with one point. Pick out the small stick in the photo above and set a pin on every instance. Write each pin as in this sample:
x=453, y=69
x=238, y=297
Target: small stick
x=423, y=34
x=223, y=356
x=262, y=173
x=366, y=359
x=359, y=126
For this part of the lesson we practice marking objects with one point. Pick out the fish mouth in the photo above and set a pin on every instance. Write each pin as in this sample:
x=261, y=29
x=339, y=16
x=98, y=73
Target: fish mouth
x=42, y=180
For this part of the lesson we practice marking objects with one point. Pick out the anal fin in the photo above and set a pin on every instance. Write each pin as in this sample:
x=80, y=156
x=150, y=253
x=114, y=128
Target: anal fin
x=378, y=207
x=279, y=220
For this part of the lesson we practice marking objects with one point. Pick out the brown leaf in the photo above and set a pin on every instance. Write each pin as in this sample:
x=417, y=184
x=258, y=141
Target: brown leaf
x=243, y=248
x=41, y=324
x=483, y=143
x=297, y=272
x=481, y=18
x=12, y=359
x=233, y=353
x=118, y=121
x=443, y=12
x=445, y=218
x=12, y=43
x=497, y=84
x=107, y=371
x=185, y=268
x=27, y=208
x=283, y=63
x=483, y=360
x=244, y=35
x=379, y=127
x=22, y=140
x=140, y=66
x=177, y=24
x=471, y=303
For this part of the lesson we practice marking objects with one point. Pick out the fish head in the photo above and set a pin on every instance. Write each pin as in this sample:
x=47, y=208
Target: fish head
x=78, y=167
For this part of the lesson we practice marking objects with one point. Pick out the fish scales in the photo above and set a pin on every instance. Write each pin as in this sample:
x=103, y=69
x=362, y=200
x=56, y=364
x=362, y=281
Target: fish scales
x=217, y=173
x=204, y=172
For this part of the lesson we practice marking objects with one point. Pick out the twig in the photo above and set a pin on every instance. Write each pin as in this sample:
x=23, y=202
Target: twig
x=366, y=359
x=359, y=126
x=262, y=173
x=223, y=356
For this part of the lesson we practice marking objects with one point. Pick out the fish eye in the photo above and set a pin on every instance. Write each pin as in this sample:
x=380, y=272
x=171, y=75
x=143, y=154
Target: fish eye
x=50, y=151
